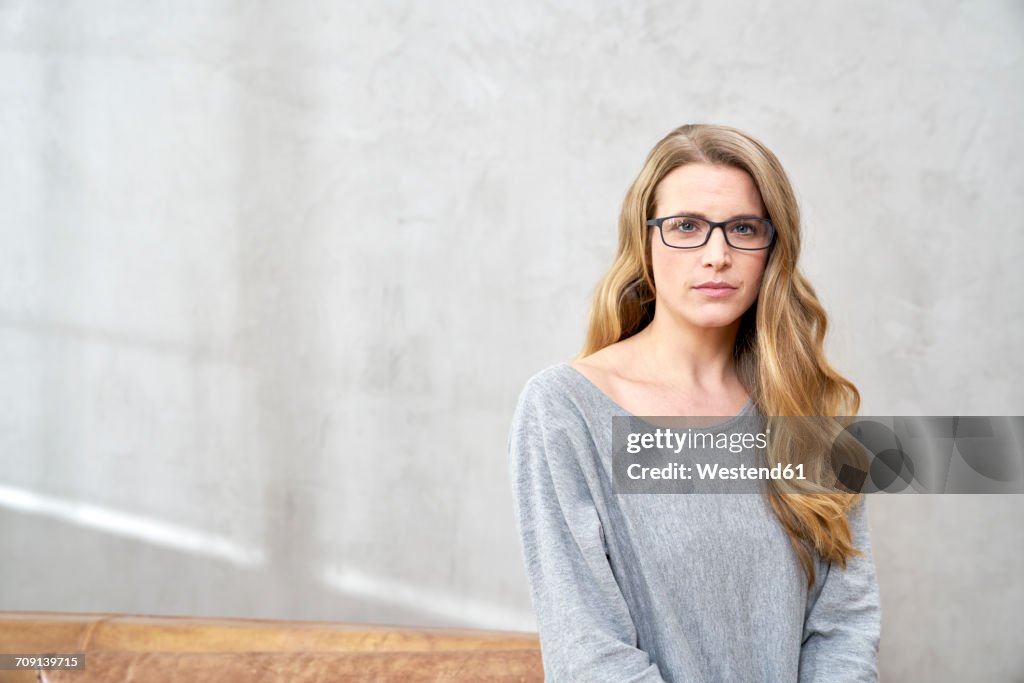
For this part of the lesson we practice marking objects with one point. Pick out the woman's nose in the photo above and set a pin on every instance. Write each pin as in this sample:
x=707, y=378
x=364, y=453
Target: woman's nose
x=717, y=250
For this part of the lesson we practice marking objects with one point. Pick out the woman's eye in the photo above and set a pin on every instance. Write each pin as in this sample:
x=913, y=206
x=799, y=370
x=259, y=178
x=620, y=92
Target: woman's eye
x=685, y=227
x=743, y=229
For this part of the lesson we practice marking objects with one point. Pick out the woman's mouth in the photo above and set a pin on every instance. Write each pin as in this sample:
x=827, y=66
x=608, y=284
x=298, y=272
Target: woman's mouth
x=715, y=290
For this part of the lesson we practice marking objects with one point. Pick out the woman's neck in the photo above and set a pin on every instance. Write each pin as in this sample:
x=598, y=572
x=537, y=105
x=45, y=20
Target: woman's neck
x=685, y=356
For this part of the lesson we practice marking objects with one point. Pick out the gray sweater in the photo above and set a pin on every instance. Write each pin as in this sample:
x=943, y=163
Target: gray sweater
x=670, y=587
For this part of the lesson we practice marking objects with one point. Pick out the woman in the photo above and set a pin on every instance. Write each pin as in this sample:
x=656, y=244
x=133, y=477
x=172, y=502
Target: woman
x=703, y=313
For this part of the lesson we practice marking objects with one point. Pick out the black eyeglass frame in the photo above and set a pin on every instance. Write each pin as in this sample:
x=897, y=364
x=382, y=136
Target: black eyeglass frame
x=656, y=222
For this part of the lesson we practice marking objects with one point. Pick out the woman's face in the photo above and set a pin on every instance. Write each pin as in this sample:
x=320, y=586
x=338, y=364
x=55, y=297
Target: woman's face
x=716, y=193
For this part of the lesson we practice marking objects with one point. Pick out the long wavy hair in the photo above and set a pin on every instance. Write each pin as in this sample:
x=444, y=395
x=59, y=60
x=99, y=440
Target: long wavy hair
x=779, y=352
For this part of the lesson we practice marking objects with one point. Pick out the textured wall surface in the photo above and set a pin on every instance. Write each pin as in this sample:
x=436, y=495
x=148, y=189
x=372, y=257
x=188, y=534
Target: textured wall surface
x=273, y=274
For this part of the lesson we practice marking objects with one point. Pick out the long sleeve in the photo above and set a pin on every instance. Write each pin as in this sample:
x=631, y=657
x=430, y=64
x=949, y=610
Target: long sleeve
x=586, y=631
x=842, y=628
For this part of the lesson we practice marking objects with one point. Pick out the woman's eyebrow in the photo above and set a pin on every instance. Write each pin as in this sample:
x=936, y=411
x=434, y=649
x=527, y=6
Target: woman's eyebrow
x=698, y=214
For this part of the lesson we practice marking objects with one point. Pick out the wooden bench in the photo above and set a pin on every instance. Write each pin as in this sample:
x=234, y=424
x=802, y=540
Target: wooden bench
x=145, y=649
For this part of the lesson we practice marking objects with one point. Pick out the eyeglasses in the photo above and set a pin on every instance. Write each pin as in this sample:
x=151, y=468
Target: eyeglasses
x=690, y=232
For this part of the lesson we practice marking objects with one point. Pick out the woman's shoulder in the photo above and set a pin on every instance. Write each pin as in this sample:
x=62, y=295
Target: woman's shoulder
x=562, y=391
x=550, y=385
x=555, y=416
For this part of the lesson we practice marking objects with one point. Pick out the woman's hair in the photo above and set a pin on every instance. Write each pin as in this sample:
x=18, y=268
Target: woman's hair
x=779, y=352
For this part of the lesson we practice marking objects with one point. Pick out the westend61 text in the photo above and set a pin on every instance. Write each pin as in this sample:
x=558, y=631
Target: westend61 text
x=714, y=471
x=668, y=439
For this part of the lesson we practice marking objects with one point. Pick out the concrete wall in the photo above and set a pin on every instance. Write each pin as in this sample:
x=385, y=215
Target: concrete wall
x=273, y=274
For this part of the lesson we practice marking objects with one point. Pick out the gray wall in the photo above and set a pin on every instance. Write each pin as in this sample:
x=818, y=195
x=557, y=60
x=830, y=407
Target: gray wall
x=273, y=274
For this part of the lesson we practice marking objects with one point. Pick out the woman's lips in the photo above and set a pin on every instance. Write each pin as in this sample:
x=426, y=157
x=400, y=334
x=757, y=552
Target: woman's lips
x=715, y=291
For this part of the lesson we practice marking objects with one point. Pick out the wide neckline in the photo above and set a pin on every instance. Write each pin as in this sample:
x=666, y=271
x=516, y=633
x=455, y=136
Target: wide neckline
x=594, y=389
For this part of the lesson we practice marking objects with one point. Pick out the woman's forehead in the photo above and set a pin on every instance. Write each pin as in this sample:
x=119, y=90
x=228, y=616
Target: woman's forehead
x=711, y=190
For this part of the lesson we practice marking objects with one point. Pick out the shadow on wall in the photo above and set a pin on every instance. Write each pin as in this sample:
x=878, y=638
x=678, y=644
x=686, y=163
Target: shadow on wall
x=109, y=549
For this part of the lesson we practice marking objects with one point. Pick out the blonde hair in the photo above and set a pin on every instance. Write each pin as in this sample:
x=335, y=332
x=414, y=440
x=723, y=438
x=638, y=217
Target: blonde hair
x=779, y=352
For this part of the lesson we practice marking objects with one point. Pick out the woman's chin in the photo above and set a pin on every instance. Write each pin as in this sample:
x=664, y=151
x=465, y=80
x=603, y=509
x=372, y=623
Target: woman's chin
x=712, y=322
x=710, y=317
